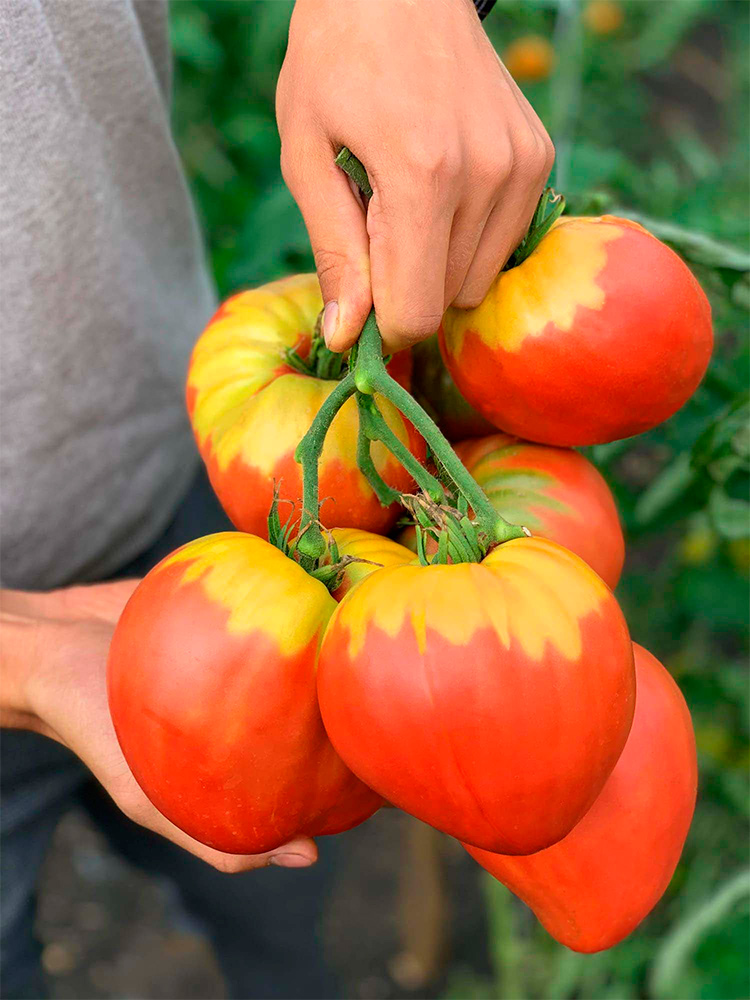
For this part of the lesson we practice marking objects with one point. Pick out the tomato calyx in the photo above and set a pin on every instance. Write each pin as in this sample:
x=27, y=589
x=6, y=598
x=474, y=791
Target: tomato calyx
x=550, y=207
x=319, y=362
x=329, y=567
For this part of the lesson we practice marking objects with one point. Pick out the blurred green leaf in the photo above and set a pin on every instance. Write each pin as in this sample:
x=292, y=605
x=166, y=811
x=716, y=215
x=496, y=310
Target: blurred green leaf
x=693, y=246
x=673, y=957
x=730, y=516
x=668, y=487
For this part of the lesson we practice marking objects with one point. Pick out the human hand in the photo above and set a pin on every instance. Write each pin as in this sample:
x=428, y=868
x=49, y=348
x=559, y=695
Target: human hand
x=456, y=157
x=54, y=656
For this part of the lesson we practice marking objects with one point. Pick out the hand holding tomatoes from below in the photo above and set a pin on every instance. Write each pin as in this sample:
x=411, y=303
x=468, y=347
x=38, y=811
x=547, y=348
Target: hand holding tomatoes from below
x=54, y=653
x=456, y=157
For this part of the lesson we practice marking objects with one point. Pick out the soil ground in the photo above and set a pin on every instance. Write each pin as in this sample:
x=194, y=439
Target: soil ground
x=111, y=932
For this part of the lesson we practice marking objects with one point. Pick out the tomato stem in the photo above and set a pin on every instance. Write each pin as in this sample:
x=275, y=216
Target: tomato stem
x=373, y=425
x=370, y=376
x=381, y=489
x=311, y=543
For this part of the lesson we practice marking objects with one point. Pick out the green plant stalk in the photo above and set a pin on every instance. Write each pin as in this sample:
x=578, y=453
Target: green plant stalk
x=382, y=490
x=371, y=376
x=311, y=544
x=354, y=169
x=376, y=429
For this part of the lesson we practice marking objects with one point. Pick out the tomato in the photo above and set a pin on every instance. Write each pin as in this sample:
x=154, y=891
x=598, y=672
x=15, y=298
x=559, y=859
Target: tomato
x=529, y=58
x=433, y=387
x=554, y=492
x=601, y=333
x=250, y=408
x=211, y=679
x=595, y=886
x=491, y=701
x=375, y=549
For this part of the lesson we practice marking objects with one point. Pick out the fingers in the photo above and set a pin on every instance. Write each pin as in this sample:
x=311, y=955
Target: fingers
x=409, y=221
x=298, y=853
x=336, y=225
x=505, y=229
x=508, y=222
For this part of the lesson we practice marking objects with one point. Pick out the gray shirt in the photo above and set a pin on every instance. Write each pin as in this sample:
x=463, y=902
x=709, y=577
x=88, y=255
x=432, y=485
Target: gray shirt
x=103, y=289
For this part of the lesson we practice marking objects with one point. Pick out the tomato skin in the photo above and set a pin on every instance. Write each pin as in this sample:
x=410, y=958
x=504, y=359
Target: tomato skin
x=249, y=409
x=211, y=681
x=376, y=549
x=555, y=492
x=602, y=333
x=433, y=387
x=490, y=699
x=596, y=885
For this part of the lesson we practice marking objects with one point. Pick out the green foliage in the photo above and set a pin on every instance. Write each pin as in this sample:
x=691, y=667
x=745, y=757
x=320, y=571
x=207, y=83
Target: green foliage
x=649, y=121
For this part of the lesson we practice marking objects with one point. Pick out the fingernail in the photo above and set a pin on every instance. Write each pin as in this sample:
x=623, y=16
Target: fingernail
x=291, y=860
x=330, y=321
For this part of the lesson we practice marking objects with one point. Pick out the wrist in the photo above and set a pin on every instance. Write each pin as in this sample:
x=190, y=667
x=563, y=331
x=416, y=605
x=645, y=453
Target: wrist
x=20, y=643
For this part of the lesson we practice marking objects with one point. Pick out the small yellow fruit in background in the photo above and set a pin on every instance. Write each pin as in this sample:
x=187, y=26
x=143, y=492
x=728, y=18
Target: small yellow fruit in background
x=698, y=544
x=603, y=16
x=739, y=553
x=529, y=58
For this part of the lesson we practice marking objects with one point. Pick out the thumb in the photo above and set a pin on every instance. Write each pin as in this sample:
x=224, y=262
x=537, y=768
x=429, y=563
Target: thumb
x=337, y=228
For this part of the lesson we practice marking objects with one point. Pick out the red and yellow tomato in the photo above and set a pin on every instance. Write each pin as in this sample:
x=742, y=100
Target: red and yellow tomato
x=554, y=492
x=601, y=333
x=596, y=885
x=490, y=700
x=433, y=387
x=211, y=679
x=369, y=552
x=249, y=409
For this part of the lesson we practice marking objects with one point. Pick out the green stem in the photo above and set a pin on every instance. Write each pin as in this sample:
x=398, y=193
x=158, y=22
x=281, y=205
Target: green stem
x=382, y=490
x=371, y=376
x=311, y=543
x=352, y=166
x=376, y=429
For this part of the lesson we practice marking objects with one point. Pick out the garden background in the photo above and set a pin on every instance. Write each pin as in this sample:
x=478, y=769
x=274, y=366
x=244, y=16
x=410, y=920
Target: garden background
x=648, y=105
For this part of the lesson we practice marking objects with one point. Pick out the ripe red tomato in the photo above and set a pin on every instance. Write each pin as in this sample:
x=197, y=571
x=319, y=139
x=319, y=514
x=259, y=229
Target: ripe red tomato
x=601, y=333
x=595, y=886
x=211, y=680
x=491, y=701
x=249, y=409
x=433, y=387
x=554, y=492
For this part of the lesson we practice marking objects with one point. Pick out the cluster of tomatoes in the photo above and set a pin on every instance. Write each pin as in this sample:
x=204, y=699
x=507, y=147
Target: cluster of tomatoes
x=496, y=696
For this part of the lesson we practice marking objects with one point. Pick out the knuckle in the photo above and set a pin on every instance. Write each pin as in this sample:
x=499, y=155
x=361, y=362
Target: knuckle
x=529, y=151
x=417, y=326
x=549, y=153
x=434, y=160
x=328, y=262
x=494, y=167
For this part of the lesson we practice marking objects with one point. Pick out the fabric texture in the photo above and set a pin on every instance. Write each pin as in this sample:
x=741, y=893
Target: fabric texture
x=103, y=289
